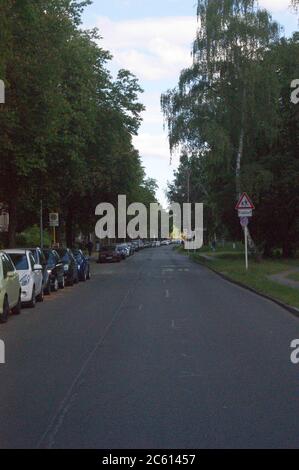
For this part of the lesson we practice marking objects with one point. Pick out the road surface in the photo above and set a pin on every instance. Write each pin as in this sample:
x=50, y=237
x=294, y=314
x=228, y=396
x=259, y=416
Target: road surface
x=155, y=352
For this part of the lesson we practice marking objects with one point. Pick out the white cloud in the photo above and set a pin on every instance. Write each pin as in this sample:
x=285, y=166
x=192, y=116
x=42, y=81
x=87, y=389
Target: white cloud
x=152, y=145
x=152, y=48
x=275, y=5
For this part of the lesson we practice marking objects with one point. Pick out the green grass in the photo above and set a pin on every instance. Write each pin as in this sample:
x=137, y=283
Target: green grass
x=232, y=264
x=294, y=277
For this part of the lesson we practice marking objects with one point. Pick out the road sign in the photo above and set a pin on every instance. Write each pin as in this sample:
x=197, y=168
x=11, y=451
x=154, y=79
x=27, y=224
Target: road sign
x=54, y=219
x=245, y=202
x=245, y=207
x=245, y=212
x=244, y=221
x=4, y=217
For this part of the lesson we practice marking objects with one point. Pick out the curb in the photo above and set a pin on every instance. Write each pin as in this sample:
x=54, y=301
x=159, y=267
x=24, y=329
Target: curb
x=293, y=310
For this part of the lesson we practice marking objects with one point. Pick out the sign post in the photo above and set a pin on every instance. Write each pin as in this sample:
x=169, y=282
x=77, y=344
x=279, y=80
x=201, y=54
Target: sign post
x=245, y=209
x=54, y=222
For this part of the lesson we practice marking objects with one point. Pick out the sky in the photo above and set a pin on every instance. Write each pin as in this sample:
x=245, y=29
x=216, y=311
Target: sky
x=152, y=39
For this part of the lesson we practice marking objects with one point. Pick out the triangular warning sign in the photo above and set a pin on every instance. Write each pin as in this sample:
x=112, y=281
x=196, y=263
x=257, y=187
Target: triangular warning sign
x=245, y=202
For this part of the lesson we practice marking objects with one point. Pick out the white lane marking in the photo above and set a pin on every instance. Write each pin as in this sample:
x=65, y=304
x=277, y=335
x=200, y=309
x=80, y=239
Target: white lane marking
x=140, y=307
x=167, y=294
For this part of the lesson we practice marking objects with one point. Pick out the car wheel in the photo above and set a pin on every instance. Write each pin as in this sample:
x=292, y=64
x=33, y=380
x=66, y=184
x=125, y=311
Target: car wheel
x=33, y=299
x=5, y=314
x=17, y=309
x=40, y=296
x=84, y=277
x=55, y=285
x=62, y=283
x=88, y=275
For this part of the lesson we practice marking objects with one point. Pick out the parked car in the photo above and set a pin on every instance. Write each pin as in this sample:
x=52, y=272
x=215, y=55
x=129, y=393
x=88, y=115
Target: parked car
x=30, y=275
x=136, y=245
x=110, y=254
x=10, y=289
x=55, y=271
x=131, y=248
x=39, y=258
x=83, y=265
x=70, y=266
x=124, y=250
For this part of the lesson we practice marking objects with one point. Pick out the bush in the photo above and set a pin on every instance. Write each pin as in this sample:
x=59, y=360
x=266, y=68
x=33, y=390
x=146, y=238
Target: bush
x=31, y=237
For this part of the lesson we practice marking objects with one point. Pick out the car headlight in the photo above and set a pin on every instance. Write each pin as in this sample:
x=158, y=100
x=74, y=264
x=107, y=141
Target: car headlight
x=66, y=267
x=49, y=271
x=24, y=281
x=79, y=266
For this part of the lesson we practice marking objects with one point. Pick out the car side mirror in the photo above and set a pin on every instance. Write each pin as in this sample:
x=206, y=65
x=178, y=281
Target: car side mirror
x=37, y=267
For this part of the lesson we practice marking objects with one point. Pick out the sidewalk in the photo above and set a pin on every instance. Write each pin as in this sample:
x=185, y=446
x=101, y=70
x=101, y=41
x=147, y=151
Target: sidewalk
x=282, y=278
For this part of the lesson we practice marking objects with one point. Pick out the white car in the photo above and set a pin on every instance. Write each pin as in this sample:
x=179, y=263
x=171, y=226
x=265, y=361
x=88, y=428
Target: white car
x=30, y=275
x=10, y=290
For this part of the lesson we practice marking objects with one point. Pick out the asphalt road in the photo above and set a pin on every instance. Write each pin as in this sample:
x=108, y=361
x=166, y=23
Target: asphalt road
x=155, y=352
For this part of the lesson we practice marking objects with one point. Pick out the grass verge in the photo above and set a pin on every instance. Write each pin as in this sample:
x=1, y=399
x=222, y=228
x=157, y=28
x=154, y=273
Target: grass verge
x=294, y=277
x=232, y=265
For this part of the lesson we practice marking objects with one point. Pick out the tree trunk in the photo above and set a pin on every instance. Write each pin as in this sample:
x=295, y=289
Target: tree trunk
x=251, y=243
x=238, y=163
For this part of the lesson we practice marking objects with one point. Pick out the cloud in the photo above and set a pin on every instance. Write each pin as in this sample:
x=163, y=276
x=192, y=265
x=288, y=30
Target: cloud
x=275, y=5
x=152, y=48
x=152, y=145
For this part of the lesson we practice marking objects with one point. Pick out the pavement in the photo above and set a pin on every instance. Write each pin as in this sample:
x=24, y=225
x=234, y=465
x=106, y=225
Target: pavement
x=282, y=278
x=155, y=352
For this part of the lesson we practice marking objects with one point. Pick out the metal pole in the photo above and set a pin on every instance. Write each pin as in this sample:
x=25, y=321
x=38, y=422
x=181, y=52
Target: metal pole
x=188, y=191
x=246, y=247
x=41, y=225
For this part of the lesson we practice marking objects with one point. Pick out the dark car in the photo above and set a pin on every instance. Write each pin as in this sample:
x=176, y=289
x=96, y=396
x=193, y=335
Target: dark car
x=39, y=258
x=55, y=271
x=110, y=254
x=70, y=266
x=83, y=265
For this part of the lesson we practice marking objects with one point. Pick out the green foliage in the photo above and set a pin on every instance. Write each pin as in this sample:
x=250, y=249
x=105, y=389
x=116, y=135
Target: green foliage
x=66, y=126
x=31, y=237
x=231, y=114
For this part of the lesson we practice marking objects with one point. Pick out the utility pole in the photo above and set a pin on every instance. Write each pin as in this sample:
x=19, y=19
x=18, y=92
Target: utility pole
x=41, y=225
x=188, y=199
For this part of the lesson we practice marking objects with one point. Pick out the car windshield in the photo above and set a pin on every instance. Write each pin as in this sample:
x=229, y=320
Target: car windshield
x=50, y=257
x=19, y=260
x=64, y=256
x=77, y=254
x=34, y=253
